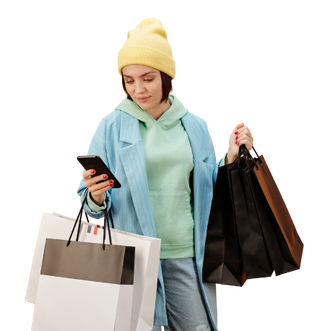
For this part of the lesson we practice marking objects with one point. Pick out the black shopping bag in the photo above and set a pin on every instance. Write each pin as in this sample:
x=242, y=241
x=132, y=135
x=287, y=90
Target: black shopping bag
x=250, y=231
x=256, y=261
x=222, y=259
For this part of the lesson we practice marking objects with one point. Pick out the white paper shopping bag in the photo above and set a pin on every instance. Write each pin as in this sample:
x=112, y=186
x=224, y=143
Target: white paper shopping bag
x=135, y=314
x=79, y=282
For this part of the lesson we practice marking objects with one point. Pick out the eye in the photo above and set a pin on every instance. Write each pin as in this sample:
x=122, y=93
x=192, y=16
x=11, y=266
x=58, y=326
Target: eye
x=129, y=81
x=148, y=80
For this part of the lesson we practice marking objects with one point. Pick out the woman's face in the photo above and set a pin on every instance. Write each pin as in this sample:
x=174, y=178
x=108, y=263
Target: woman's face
x=144, y=85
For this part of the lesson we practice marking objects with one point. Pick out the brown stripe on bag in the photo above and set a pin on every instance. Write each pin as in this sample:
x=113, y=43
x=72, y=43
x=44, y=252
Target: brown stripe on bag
x=88, y=261
x=128, y=267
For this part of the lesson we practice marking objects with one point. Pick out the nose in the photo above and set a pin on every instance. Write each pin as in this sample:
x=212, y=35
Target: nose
x=140, y=88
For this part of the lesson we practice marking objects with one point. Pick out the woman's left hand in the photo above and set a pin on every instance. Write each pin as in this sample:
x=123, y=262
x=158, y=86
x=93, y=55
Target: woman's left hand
x=241, y=135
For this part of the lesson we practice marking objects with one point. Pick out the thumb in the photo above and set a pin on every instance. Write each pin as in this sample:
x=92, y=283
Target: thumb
x=239, y=126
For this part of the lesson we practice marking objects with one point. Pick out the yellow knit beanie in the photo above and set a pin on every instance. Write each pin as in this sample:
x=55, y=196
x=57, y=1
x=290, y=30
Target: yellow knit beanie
x=148, y=45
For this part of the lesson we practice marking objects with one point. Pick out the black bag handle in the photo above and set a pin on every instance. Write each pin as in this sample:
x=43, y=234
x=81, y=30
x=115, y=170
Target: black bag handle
x=243, y=150
x=106, y=223
x=258, y=157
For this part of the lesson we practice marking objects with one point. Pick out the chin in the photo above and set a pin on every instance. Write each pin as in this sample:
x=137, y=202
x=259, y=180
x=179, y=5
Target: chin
x=144, y=105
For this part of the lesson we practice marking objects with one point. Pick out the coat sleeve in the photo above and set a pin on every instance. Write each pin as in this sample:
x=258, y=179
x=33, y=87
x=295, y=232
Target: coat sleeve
x=97, y=147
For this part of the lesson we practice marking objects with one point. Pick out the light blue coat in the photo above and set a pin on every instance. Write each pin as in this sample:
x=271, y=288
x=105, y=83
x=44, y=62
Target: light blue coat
x=118, y=142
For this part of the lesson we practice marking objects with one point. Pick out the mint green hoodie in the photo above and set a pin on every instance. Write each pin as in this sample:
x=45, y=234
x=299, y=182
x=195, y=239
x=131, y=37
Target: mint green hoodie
x=169, y=161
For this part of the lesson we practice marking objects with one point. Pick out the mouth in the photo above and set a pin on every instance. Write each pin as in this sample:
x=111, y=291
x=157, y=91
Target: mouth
x=143, y=99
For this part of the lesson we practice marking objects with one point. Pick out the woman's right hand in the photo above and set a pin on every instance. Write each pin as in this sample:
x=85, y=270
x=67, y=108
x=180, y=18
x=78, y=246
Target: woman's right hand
x=97, y=191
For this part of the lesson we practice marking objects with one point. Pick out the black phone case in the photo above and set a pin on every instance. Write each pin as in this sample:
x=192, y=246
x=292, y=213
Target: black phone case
x=96, y=163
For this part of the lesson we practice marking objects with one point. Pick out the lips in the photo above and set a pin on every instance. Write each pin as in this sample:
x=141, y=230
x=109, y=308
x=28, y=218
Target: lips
x=143, y=99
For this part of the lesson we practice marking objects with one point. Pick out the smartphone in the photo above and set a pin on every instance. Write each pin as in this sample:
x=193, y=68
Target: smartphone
x=96, y=163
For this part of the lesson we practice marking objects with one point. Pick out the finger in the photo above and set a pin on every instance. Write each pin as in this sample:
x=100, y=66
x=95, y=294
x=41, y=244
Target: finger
x=101, y=188
x=100, y=178
x=94, y=180
x=100, y=192
x=88, y=173
x=246, y=141
x=104, y=184
x=245, y=134
x=238, y=127
x=244, y=129
x=241, y=136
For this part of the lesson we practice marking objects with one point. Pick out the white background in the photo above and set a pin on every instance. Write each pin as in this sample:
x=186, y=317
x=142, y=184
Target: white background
x=12, y=56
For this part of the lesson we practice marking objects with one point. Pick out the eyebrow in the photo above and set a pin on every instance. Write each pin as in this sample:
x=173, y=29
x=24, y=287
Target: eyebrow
x=147, y=73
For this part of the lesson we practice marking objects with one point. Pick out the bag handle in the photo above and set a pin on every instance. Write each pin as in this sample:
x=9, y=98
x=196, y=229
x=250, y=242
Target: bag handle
x=246, y=154
x=257, y=155
x=106, y=223
x=243, y=152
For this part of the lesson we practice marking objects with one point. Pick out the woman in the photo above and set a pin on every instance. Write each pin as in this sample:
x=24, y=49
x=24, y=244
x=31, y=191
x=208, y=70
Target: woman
x=164, y=159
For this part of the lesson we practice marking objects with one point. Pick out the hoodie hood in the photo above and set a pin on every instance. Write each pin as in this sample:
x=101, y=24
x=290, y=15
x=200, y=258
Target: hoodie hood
x=168, y=119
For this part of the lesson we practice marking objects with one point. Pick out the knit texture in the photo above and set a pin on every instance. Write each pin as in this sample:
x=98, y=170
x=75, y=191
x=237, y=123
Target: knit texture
x=148, y=45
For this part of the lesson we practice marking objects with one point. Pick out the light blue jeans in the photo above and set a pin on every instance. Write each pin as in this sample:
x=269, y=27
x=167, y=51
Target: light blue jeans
x=185, y=306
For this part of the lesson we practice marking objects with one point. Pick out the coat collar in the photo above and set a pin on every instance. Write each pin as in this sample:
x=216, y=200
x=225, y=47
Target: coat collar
x=129, y=129
x=198, y=145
